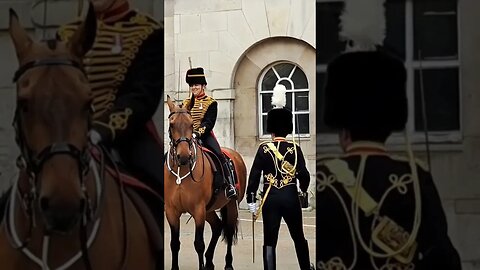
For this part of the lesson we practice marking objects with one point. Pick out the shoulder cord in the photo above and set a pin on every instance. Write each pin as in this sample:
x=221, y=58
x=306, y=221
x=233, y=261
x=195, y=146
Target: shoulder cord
x=400, y=185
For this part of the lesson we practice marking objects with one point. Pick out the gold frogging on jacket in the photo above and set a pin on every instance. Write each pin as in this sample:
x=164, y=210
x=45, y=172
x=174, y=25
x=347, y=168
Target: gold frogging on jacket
x=107, y=63
x=117, y=121
x=198, y=111
x=286, y=169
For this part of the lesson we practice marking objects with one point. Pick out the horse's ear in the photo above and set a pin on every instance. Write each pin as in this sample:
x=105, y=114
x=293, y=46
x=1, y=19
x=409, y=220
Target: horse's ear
x=21, y=39
x=171, y=105
x=84, y=37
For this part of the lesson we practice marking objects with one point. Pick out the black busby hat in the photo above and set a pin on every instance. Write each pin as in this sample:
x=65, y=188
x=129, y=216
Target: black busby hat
x=279, y=119
x=195, y=76
x=365, y=87
x=366, y=90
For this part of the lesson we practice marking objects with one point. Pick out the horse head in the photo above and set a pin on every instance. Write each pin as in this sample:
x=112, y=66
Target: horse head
x=181, y=133
x=52, y=120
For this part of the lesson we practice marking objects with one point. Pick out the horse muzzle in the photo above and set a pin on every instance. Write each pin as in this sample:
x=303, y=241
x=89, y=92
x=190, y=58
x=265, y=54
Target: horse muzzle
x=183, y=159
x=61, y=218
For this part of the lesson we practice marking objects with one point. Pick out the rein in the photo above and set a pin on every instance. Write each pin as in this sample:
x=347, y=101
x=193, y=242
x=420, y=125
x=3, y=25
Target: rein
x=33, y=164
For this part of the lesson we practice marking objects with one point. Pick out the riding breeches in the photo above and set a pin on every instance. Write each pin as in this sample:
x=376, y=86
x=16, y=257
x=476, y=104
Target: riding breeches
x=211, y=143
x=144, y=158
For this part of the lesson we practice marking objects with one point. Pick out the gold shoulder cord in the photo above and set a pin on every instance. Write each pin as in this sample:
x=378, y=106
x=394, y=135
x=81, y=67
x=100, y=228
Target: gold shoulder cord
x=405, y=250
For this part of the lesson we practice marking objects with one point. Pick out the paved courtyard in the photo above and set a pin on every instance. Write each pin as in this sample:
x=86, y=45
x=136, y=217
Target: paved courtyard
x=242, y=252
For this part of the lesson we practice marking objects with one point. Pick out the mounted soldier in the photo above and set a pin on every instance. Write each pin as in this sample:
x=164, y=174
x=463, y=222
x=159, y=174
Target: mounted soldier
x=125, y=72
x=204, y=113
x=375, y=210
x=281, y=163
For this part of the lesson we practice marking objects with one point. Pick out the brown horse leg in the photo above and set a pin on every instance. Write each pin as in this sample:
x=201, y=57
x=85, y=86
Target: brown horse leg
x=216, y=225
x=173, y=218
x=199, y=242
x=230, y=228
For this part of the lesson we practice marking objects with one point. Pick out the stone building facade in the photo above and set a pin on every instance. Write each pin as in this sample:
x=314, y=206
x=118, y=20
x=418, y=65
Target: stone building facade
x=245, y=47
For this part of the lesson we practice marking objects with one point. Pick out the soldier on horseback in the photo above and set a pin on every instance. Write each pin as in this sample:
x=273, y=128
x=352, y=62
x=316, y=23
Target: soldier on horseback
x=282, y=163
x=204, y=114
x=125, y=72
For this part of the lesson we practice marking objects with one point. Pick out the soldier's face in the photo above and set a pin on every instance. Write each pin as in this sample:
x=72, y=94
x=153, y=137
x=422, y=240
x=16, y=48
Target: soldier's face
x=102, y=5
x=197, y=89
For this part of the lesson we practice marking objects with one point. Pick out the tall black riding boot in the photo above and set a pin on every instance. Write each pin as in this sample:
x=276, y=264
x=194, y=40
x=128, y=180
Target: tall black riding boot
x=230, y=190
x=269, y=260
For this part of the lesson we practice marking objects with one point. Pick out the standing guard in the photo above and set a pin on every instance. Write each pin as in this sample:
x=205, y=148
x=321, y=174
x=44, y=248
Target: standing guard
x=281, y=163
x=375, y=210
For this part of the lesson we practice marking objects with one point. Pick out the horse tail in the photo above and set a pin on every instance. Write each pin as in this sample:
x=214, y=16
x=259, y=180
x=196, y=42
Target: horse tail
x=229, y=227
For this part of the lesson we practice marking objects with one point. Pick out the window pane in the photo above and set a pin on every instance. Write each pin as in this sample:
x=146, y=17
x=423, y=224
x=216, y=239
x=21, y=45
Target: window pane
x=321, y=127
x=435, y=28
x=289, y=101
x=269, y=80
x=303, y=124
x=395, y=19
x=301, y=101
x=299, y=79
x=328, y=21
x=284, y=69
x=266, y=102
x=441, y=98
x=287, y=84
x=264, y=124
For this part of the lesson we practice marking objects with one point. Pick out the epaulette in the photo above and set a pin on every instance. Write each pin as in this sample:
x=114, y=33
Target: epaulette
x=326, y=157
x=418, y=161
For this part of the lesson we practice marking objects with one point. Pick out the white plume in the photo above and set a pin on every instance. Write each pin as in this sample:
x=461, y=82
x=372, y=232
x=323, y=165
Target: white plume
x=279, y=97
x=363, y=22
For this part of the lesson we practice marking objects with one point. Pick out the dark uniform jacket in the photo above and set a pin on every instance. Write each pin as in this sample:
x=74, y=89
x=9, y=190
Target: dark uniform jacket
x=204, y=114
x=389, y=191
x=125, y=70
x=282, y=183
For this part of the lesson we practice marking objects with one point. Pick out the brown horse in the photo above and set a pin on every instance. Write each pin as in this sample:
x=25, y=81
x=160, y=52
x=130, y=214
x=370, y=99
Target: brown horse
x=188, y=189
x=64, y=211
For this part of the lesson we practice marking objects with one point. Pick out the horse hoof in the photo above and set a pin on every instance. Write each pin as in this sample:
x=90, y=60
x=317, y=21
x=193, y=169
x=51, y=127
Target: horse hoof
x=209, y=267
x=228, y=267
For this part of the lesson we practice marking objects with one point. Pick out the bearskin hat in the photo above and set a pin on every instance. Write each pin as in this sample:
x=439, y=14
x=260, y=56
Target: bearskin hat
x=195, y=76
x=366, y=89
x=279, y=119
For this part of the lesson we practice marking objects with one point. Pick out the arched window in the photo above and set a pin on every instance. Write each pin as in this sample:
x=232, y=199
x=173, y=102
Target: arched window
x=298, y=96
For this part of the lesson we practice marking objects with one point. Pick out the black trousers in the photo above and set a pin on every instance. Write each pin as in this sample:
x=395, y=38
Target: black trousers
x=211, y=143
x=283, y=203
x=144, y=158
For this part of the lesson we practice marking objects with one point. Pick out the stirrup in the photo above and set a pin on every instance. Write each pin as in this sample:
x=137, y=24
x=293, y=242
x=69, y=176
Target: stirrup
x=230, y=191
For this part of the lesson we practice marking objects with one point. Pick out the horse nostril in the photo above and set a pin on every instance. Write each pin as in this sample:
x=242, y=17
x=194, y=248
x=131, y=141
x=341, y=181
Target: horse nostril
x=44, y=203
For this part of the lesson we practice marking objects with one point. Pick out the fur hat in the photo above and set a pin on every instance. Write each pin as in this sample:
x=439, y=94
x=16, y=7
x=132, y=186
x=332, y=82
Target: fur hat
x=195, y=76
x=279, y=119
x=366, y=90
x=365, y=87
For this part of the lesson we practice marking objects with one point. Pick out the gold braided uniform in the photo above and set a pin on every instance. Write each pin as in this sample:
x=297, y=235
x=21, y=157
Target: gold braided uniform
x=108, y=65
x=204, y=114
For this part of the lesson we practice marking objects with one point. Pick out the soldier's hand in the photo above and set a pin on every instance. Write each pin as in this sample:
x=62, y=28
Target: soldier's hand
x=252, y=207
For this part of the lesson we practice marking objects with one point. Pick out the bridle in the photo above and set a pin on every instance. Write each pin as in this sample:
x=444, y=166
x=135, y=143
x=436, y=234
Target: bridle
x=33, y=164
x=172, y=153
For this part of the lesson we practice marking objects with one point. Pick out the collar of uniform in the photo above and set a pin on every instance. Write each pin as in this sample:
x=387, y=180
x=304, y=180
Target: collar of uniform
x=366, y=147
x=116, y=13
x=279, y=139
x=201, y=96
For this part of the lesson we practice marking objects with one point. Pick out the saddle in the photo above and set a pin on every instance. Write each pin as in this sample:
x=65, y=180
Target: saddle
x=218, y=168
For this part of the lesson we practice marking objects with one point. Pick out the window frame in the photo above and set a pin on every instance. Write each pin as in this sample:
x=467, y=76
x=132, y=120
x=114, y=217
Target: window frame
x=416, y=137
x=260, y=92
